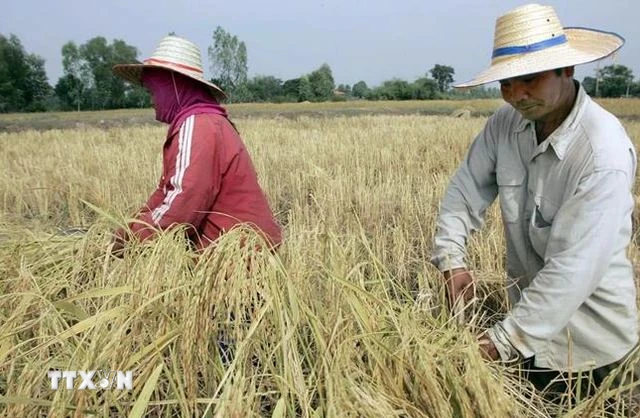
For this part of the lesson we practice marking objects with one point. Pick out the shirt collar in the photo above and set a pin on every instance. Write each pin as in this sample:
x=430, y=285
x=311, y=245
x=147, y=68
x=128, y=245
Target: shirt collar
x=560, y=139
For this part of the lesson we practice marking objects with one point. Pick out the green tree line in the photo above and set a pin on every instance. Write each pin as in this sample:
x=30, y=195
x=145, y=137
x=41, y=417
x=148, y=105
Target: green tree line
x=88, y=84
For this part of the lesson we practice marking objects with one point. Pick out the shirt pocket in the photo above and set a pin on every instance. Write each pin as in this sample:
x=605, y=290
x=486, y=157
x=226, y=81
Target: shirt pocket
x=510, y=181
x=542, y=217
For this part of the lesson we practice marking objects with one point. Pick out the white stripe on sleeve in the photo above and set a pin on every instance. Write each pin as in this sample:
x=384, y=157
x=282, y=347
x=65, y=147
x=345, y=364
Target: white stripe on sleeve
x=182, y=163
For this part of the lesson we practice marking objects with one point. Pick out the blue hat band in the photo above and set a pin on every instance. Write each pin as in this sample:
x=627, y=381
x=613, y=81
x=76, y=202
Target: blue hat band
x=523, y=49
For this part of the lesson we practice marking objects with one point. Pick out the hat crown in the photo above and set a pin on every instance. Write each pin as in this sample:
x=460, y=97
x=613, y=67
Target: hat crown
x=526, y=26
x=179, y=52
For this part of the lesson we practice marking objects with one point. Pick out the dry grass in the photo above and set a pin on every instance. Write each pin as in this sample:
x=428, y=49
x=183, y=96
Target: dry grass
x=623, y=107
x=345, y=321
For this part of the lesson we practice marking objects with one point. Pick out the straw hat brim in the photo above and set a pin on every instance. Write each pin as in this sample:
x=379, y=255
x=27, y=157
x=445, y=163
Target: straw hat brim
x=584, y=45
x=133, y=73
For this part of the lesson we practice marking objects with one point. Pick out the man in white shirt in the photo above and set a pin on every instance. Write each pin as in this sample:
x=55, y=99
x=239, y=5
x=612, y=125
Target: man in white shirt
x=564, y=170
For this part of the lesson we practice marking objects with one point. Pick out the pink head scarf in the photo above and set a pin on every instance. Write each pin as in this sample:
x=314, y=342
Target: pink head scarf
x=176, y=97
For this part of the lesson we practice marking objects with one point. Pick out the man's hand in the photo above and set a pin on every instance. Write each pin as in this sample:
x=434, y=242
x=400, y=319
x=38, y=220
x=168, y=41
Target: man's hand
x=460, y=285
x=488, y=348
x=118, y=241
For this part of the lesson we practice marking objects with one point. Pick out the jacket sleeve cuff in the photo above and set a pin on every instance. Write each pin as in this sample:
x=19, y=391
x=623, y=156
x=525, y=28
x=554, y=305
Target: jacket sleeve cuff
x=506, y=350
x=448, y=262
x=511, y=332
x=142, y=231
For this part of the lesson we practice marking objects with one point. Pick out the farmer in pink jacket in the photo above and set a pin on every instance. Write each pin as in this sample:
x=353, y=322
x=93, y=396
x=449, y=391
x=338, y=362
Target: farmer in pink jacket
x=208, y=180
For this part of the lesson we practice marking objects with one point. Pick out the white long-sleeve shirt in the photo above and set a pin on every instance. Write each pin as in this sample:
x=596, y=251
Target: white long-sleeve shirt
x=566, y=207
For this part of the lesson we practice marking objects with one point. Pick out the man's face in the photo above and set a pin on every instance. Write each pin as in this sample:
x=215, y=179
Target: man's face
x=538, y=96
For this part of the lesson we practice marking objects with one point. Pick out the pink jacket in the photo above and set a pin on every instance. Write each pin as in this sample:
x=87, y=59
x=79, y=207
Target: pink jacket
x=208, y=182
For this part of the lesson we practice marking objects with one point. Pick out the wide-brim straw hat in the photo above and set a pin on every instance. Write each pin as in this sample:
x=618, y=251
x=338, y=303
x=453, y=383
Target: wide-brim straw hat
x=175, y=54
x=530, y=39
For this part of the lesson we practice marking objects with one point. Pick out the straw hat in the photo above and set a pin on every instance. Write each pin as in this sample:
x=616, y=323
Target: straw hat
x=530, y=39
x=175, y=54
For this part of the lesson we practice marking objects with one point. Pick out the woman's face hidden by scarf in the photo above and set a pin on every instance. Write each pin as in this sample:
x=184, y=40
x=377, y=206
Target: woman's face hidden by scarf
x=171, y=92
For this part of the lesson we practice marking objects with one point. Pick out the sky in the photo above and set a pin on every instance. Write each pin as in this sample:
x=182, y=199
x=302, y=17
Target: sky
x=372, y=40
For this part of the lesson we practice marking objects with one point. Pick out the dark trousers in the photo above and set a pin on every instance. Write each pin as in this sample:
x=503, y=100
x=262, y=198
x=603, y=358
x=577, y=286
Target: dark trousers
x=564, y=389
